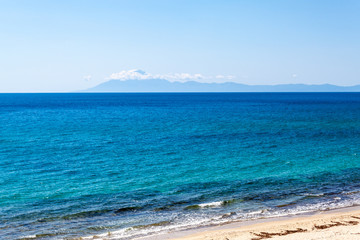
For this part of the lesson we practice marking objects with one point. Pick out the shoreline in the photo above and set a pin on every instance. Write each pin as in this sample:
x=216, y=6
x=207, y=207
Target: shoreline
x=341, y=223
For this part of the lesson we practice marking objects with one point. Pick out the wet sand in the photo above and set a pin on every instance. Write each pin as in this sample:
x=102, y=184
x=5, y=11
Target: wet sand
x=335, y=224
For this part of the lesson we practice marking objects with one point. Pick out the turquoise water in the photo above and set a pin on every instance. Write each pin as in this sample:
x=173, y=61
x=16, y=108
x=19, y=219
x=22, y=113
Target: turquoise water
x=84, y=164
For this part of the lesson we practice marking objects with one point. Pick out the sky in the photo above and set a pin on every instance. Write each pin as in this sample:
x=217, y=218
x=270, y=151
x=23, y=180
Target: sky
x=69, y=45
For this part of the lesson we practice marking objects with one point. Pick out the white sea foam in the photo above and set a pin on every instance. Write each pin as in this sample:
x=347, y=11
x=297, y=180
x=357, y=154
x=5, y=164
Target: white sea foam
x=211, y=204
x=192, y=220
x=29, y=237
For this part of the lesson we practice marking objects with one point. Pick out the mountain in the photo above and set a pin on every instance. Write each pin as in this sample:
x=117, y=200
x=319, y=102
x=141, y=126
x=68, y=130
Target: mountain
x=161, y=85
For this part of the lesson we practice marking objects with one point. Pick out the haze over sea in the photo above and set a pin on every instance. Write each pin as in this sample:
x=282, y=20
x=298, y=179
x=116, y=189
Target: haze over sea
x=83, y=164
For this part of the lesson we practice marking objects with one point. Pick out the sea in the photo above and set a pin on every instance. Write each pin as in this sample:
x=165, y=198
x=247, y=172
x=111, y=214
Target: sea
x=126, y=165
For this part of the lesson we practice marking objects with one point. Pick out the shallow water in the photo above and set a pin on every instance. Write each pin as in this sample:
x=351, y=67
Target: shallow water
x=87, y=164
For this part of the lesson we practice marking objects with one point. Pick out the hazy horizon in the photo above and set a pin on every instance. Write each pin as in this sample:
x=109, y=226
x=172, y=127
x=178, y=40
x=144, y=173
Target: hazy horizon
x=73, y=45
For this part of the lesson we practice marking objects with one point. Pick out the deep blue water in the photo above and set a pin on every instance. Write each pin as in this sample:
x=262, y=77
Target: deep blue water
x=86, y=164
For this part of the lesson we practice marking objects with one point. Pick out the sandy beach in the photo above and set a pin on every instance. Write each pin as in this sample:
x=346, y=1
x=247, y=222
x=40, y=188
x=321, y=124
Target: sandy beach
x=331, y=225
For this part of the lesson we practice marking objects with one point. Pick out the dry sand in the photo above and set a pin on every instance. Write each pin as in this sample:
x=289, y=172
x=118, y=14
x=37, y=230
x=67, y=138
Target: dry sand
x=330, y=225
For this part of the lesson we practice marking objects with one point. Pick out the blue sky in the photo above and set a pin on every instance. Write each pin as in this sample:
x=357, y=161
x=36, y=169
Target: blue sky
x=64, y=45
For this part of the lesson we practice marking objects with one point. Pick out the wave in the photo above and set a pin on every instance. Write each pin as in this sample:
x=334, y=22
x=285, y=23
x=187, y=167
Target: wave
x=85, y=214
x=213, y=204
x=179, y=215
x=204, y=205
x=195, y=220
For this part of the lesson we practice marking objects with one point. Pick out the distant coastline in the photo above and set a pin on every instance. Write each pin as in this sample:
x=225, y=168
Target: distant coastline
x=161, y=85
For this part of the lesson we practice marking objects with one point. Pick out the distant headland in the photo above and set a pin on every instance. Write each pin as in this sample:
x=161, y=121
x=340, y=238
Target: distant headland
x=162, y=85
